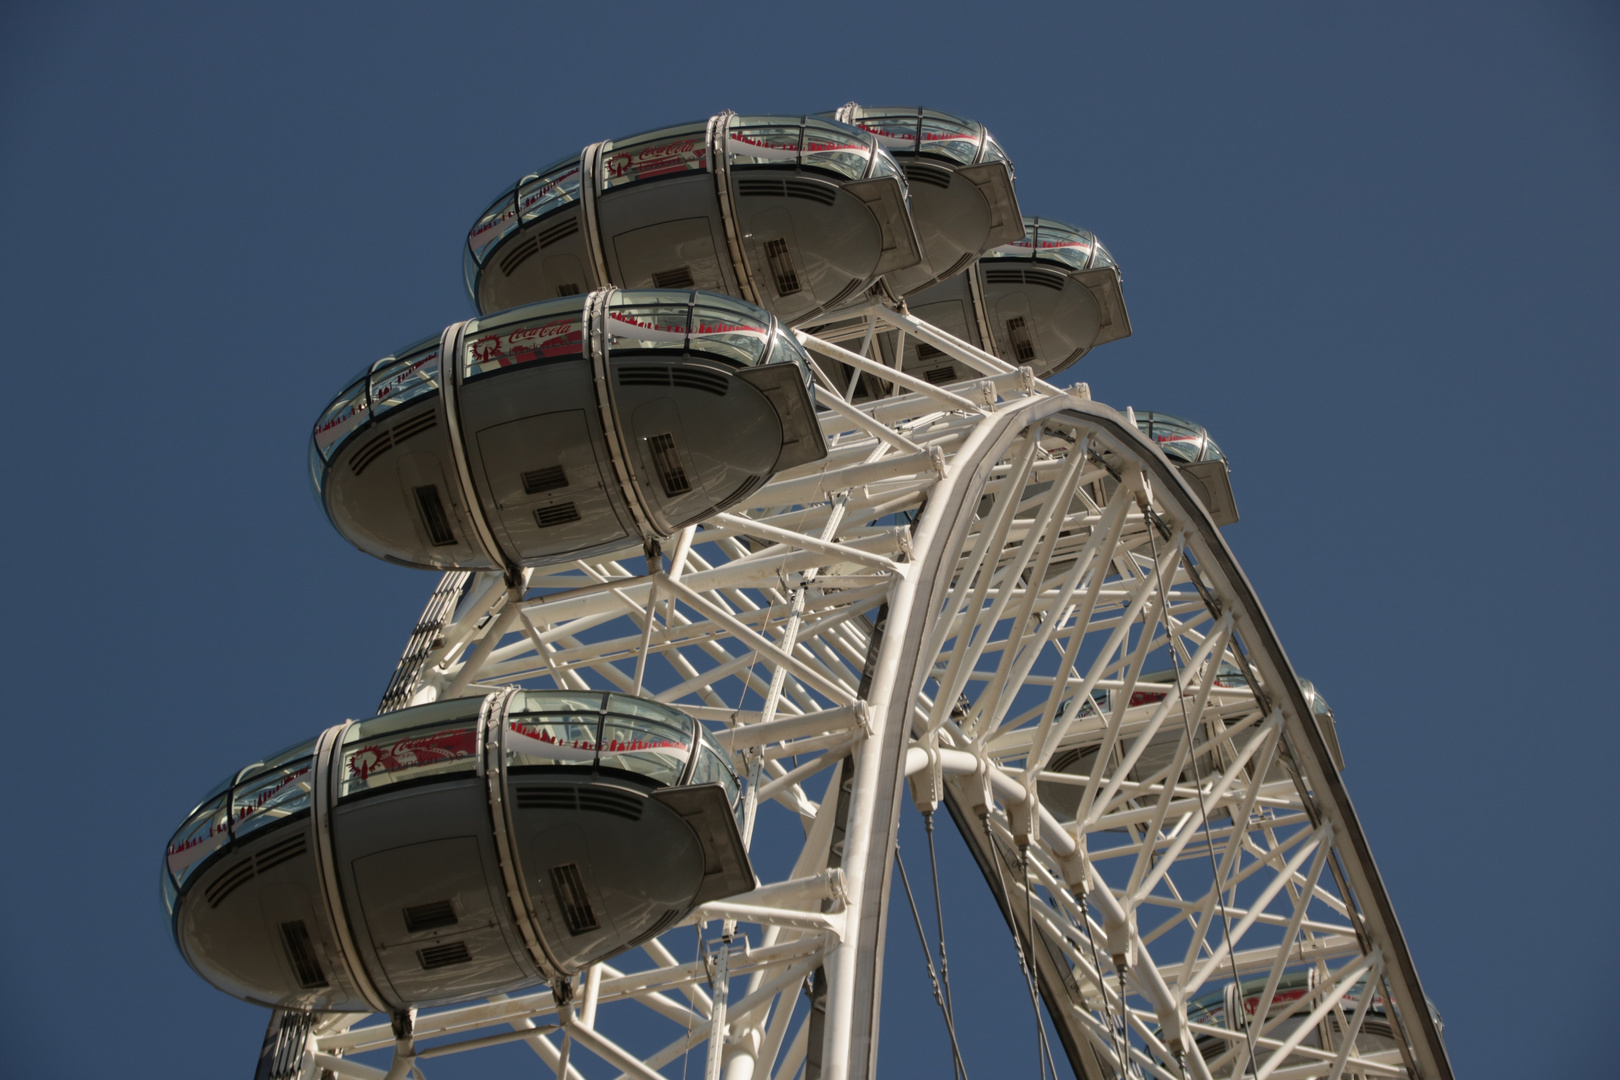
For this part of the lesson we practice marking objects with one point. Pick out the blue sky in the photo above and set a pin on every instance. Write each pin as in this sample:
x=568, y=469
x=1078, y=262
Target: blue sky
x=1370, y=246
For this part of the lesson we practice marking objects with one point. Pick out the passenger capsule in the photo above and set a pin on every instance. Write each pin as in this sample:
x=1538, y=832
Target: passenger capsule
x=798, y=214
x=454, y=850
x=1197, y=458
x=1042, y=302
x=961, y=184
x=563, y=428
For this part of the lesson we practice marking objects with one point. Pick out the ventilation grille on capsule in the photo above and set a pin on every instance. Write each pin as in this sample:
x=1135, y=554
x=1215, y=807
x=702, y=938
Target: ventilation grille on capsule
x=550, y=478
x=569, y=288
x=280, y=852
x=928, y=174
x=1051, y=279
x=618, y=803
x=1018, y=333
x=926, y=351
x=678, y=278
x=814, y=190
x=434, y=519
x=301, y=954
x=712, y=382
x=569, y=797
x=241, y=873
x=560, y=514
x=558, y=231
x=430, y=916
x=518, y=255
x=576, y=906
x=546, y=797
x=671, y=476
x=438, y=956
x=665, y=921
x=783, y=273
x=843, y=294
x=391, y=438
x=941, y=375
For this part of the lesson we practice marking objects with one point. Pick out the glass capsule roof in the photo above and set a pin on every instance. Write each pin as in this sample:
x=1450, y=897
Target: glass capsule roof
x=817, y=143
x=955, y=139
x=685, y=321
x=1181, y=440
x=1046, y=240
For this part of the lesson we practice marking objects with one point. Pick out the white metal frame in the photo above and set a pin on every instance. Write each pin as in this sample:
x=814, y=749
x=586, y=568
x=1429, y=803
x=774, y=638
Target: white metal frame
x=1046, y=550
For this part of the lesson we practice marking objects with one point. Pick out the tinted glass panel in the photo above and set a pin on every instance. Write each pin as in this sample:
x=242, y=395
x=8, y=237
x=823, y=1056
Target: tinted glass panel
x=652, y=710
x=378, y=760
x=666, y=152
x=395, y=382
x=896, y=132
x=735, y=332
x=205, y=832
x=661, y=324
x=1072, y=247
x=341, y=419
x=495, y=223
x=272, y=794
x=950, y=138
x=553, y=739
x=553, y=188
x=552, y=330
x=836, y=148
x=658, y=751
x=763, y=140
x=532, y=701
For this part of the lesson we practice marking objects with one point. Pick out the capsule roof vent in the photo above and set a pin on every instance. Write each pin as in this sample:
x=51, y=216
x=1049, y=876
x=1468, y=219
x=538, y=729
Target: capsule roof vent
x=671, y=475
x=550, y=478
x=228, y=882
x=571, y=898
x=1018, y=333
x=438, y=956
x=783, y=273
x=306, y=964
x=678, y=278
x=430, y=916
x=280, y=852
x=927, y=174
x=434, y=519
x=814, y=190
x=558, y=231
x=518, y=255
x=558, y=514
x=618, y=803
x=996, y=275
x=941, y=375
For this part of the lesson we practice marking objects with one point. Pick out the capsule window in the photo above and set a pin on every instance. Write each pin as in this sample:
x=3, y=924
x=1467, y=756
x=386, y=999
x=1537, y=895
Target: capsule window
x=548, y=479
x=301, y=954
x=783, y=272
x=1018, y=334
x=434, y=519
x=671, y=476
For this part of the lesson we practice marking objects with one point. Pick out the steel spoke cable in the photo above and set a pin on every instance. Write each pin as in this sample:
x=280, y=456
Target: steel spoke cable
x=1029, y=923
x=939, y=998
x=1018, y=938
x=1198, y=787
x=939, y=917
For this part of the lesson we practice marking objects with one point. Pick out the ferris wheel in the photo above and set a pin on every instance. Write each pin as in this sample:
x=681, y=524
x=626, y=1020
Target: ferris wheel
x=783, y=539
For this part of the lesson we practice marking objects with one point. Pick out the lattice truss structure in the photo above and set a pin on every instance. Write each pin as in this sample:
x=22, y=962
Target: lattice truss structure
x=1002, y=592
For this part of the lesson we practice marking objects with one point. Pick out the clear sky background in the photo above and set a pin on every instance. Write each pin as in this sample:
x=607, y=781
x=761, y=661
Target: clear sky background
x=1372, y=246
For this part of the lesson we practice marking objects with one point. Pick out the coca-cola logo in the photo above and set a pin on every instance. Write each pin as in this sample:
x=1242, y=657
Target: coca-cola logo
x=485, y=348
x=413, y=753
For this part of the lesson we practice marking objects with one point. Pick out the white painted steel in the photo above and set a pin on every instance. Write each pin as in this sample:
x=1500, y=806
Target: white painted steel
x=1046, y=556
